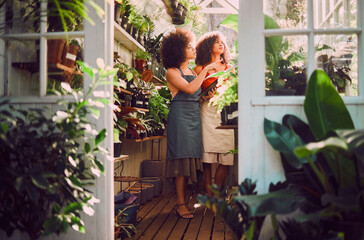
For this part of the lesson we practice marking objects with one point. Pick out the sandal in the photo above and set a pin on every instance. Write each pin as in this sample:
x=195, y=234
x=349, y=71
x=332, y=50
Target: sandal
x=184, y=216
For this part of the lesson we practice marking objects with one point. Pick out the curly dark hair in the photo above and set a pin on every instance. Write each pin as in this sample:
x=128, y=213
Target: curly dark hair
x=204, y=46
x=173, y=48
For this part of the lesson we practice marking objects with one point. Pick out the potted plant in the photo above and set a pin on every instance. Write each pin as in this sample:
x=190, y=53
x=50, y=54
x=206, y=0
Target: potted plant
x=48, y=160
x=158, y=110
x=141, y=59
x=331, y=161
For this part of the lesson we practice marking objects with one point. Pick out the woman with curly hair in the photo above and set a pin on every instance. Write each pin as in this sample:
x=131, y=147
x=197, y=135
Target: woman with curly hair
x=184, y=142
x=216, y=142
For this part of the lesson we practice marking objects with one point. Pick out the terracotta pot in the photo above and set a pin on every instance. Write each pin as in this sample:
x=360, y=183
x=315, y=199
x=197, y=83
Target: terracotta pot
x=69, y=55
x=140, y=64
x=55, y=50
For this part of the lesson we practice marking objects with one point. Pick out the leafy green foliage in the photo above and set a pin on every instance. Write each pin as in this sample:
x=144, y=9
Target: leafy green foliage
x=333, y=158
x=235, y=213
x=159, y=107
x=49, y=160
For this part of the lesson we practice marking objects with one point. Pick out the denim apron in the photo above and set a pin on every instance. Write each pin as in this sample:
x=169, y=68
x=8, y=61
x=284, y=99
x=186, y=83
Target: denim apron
x=184, y=137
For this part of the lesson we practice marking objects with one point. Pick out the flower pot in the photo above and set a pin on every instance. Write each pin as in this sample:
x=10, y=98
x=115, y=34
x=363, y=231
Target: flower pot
x=117, y=16
x=130, y=210
x=117, y=149
x=140, y=64
x=55, y=50
x=179, y=15
x=136, y=193
x=233, y=115
x=151, y=168
x=143, y=193
x=149, y=190
x=69, y=55
x=157, y=183
x=224, y=113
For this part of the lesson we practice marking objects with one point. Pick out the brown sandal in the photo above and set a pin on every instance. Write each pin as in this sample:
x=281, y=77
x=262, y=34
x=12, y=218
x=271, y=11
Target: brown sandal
x=184, y=216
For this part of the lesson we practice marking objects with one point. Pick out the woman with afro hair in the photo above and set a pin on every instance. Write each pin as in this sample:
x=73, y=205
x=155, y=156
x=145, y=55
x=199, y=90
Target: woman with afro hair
x=184, y=140
x=212, y=47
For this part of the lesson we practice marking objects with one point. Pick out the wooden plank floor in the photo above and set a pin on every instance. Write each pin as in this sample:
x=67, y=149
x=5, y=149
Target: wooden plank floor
x=157, y=220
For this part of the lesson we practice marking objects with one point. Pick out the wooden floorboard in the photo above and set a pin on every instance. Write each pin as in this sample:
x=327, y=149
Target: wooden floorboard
x=206, y=225
x=158, y=220
x=180, y=228
x=218, y=231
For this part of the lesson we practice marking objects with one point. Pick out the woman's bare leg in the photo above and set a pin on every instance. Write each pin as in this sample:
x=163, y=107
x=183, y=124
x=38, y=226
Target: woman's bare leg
x=181, y=201
x=207, y=177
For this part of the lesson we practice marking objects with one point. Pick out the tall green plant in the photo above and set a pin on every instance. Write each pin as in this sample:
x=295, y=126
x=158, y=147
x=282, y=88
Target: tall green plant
x=48, y=162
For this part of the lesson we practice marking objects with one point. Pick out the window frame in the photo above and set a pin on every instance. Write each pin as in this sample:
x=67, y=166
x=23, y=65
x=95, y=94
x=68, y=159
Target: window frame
x=310, y=32
x=42, y=36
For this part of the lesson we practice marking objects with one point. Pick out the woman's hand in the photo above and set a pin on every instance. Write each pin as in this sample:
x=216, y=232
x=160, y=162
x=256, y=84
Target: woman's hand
x=213, y=66
x=209, y=95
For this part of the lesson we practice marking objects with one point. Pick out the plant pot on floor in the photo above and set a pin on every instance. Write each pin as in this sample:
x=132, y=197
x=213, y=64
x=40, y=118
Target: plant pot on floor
x=151, y=168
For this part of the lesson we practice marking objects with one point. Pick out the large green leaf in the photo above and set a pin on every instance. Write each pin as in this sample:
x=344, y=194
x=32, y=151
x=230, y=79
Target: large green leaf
x=283, y=140
x=279, y=202
x=333, y=144
x=324, y=107
x=231, y=22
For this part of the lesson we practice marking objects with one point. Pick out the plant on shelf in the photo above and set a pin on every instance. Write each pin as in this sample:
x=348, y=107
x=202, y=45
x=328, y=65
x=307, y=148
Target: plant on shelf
x=158, y=109
x=193, y=15
x=153, y=44
x=125, y=122
x=337, y=65
x=141, y=59
x=49, y=160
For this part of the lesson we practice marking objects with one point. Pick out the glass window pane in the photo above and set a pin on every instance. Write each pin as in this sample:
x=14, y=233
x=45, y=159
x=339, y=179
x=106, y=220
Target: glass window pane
x=20, y=17
x=288, y=14
x=21, y=68
x=62, y=66
x=335, y=14
x=285, y=65
x=337, y=55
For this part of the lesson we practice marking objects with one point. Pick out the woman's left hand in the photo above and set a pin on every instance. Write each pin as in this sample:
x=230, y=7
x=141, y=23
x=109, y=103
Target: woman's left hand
x=210, y=94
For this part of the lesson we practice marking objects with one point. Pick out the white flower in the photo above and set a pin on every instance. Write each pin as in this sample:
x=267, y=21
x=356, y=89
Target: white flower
x=100, y=63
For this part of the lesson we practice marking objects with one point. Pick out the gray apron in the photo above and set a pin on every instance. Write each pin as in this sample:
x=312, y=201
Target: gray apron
x=184, y=137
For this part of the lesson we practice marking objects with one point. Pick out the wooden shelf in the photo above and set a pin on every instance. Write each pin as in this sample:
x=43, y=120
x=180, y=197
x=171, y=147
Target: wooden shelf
x=121, y=158
x=144, y=139
x=33, y=67
x=122, y=90
x=124, y=38
x=141, y=109
x=126, y=179
x=227, y=127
